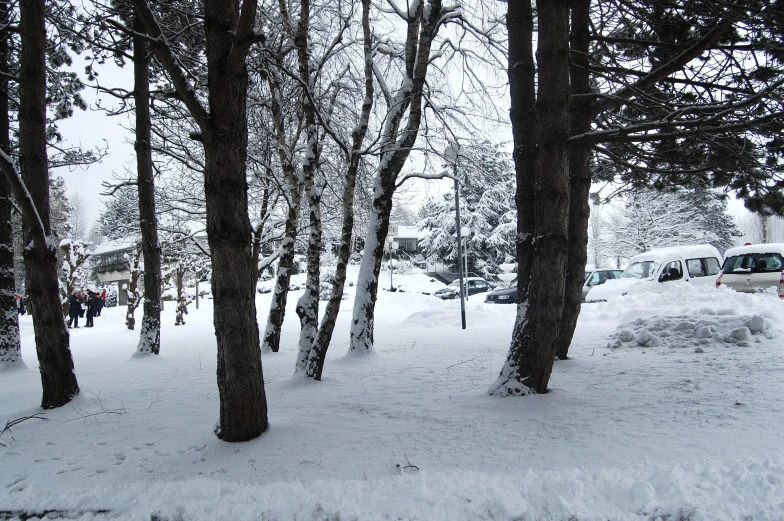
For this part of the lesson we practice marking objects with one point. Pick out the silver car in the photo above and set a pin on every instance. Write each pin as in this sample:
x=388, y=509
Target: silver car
x=754, y=268
x=597, y=277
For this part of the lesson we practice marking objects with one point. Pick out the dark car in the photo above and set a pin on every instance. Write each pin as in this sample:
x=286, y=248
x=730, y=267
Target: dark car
x=503, y=295
x=474, y=285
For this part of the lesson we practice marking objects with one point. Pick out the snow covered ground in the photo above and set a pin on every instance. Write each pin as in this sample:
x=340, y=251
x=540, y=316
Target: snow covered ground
x=640, y=432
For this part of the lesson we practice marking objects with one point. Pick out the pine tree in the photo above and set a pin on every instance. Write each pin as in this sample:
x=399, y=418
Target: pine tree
x=120, y=219
x=487, y=209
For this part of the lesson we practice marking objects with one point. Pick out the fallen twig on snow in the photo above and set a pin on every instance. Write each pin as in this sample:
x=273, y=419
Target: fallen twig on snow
x=84, y=415
x=11, y=423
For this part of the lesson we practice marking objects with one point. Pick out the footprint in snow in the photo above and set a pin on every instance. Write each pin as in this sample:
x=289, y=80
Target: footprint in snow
x=101, y=471
x=15, y=481
x=150, y=444
x=50, y=443
x=101, y=443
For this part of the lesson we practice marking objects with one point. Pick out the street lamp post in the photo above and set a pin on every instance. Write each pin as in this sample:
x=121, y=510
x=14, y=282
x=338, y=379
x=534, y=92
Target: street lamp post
x=466, y=231
x=452, y=152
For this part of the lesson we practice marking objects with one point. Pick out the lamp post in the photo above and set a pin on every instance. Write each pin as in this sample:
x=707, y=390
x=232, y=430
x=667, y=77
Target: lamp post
x=466, y=232
x=452, y=152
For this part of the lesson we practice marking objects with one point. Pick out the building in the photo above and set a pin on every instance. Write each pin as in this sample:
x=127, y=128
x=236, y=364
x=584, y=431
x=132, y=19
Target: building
x=407, y=237
x=111, y=265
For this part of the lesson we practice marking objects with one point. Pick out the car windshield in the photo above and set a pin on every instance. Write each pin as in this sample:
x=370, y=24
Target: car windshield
x=455, y=284
x=754, y=263
x=587, y=274
x=640, y=270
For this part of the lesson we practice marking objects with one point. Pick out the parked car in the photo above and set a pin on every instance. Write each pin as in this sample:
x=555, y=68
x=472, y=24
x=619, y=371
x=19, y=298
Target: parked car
x=598, y=276
x=474, y=285
x=658, y=270
x=754, y=268
x=507, y=295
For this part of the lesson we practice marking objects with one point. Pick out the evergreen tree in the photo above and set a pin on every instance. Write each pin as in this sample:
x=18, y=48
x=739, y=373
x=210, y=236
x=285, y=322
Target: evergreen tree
x=121, y=219
x=487, y=209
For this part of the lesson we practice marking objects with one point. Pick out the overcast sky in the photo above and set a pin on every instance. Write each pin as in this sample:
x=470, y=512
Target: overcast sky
x=93, y=128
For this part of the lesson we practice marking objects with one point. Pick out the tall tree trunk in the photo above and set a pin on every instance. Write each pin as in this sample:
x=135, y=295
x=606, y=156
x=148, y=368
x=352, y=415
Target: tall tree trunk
x=179, y=317
x=318, y=353
x=579, y=176
x=51, y=337
x=396, y=146
x=10, y=345
x=280, y=294
x=361, y=330
x=308, y=303
x=530, y=360
x=150, y=334
x=243, y=407
x=230, y=33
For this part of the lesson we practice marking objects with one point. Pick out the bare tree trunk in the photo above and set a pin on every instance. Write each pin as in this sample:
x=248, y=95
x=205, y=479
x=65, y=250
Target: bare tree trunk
x=243, y=411
x=530, y=361
x=256, y=252
x=395, y=148
x=179, y=317
x=51, y=337
x=10, y=345
x=150, y=334
x=229, y=35
x=361, y=331
x=308, y=303
x=132, y=288
x=314, y=366
x=280, y=294
x=579, y=177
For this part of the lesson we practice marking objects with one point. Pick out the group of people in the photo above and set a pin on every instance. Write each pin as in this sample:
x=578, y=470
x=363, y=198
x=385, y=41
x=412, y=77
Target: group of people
x=94, y=303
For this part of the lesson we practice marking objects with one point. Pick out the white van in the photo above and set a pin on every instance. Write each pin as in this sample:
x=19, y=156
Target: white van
x=657, y=270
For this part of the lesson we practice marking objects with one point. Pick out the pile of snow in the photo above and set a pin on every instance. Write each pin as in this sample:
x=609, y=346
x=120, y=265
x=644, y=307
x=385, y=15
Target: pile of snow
x=410, y=283
x=695, y=330
x=692, y=316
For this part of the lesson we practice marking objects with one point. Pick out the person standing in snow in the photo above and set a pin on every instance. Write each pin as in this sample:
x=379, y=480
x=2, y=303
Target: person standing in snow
x=74, y=309
x=92, y=306
x=21, y=306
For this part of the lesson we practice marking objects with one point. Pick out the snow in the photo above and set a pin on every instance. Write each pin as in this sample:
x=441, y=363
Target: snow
x=755, y=248
x=635, y=433
x=662, y=255
x=113, y=246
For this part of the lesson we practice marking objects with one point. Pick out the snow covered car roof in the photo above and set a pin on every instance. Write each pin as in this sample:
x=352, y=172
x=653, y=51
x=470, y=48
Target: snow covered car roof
x=686, y=252
x=756, y=248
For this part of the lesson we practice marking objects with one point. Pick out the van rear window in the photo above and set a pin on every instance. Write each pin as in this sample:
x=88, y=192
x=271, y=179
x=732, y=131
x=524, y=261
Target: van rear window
x=754, y=263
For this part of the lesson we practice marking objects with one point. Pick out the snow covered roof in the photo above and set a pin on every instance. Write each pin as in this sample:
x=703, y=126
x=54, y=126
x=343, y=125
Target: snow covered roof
x=409, y=232
x=756, y=248
x=113, y=246
x=683, y=252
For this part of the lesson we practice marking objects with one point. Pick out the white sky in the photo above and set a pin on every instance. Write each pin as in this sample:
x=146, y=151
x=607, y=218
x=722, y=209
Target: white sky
x=93, y=128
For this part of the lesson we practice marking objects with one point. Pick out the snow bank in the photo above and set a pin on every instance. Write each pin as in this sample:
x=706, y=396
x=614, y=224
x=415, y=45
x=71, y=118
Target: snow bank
x=692, y=316
x=751, y=489
x=411, y=283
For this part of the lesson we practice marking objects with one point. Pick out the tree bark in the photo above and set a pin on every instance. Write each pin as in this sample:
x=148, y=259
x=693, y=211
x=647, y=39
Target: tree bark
x=243, y=408
x=132, y=288
x=530, y=360
x=179, y=317
x=579, y=177
x=319, y=353
x=10, y=344
x=395, y=149
x=51, y=337
x=229, y=35
x=150, y=334
x=280, y=294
